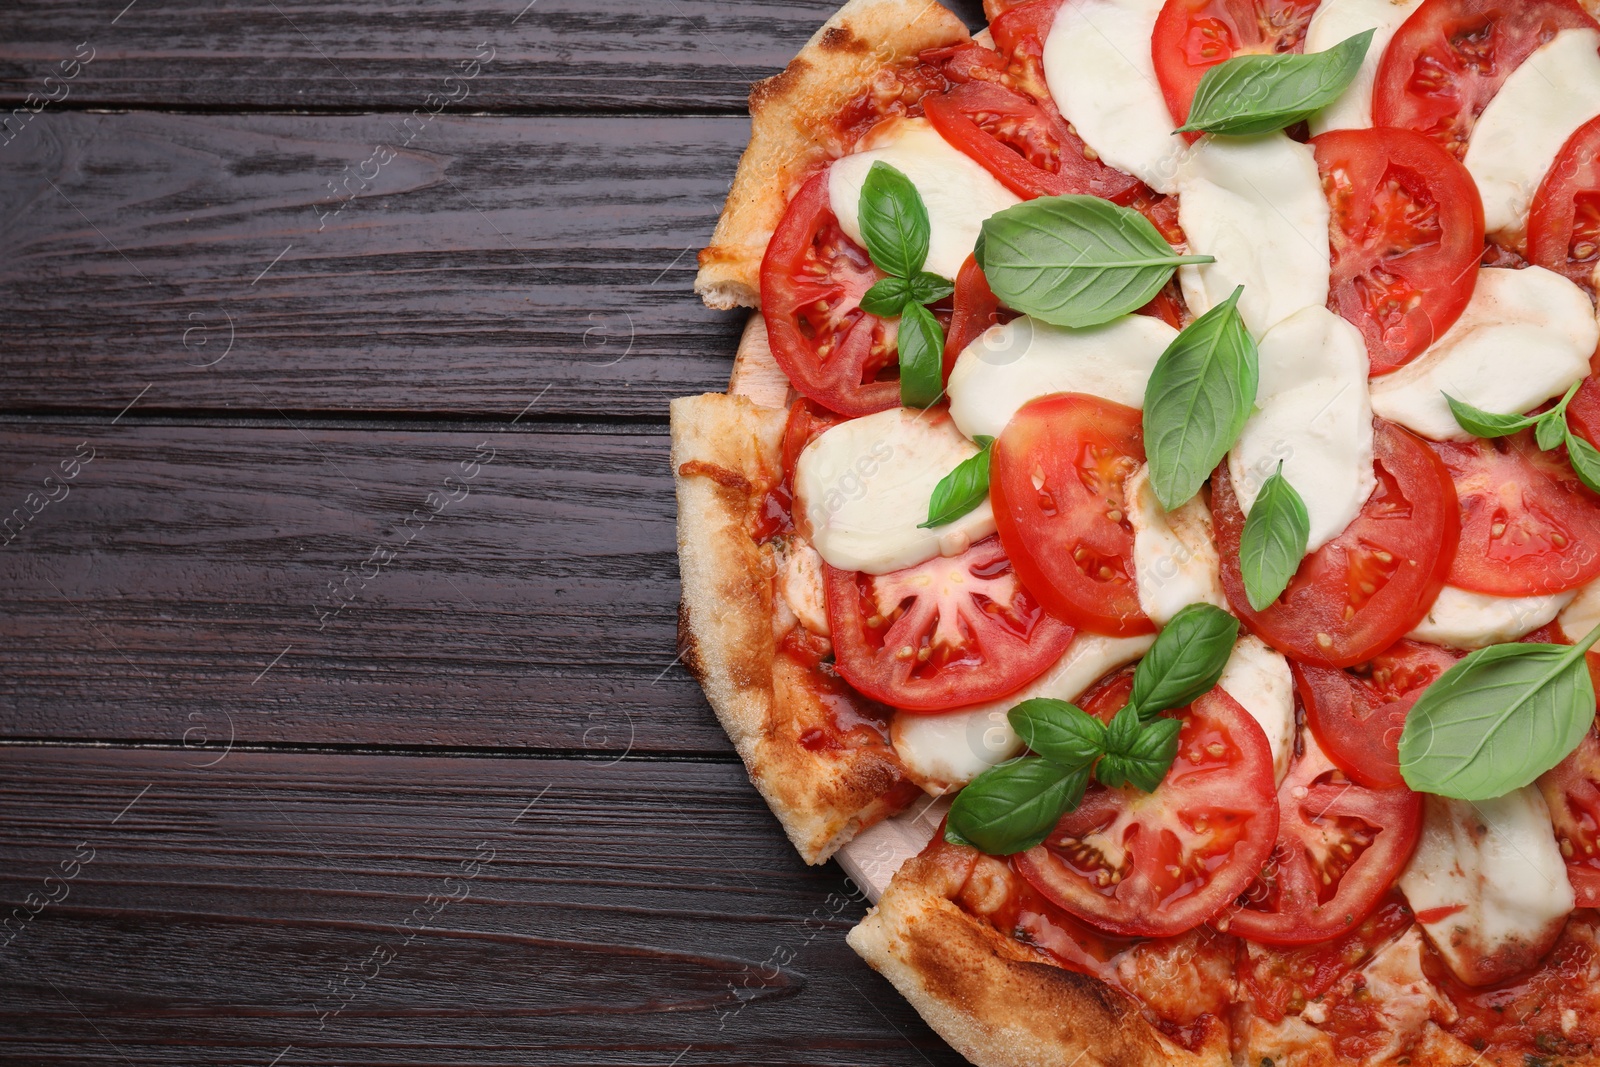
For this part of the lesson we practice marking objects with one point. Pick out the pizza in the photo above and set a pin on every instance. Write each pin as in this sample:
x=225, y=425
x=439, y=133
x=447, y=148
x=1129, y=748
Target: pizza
x=1151, y=536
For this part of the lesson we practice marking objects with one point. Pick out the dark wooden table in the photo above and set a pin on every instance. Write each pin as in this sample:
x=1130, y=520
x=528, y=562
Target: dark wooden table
x=341, y=720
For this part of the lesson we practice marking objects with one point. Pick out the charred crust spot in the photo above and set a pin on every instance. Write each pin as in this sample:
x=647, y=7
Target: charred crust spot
x=728, y=479
x=688, y=647
x=764, y=92
x=840, y=39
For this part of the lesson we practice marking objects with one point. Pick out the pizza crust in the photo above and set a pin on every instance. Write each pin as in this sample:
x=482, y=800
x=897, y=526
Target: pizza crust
x=787, y=112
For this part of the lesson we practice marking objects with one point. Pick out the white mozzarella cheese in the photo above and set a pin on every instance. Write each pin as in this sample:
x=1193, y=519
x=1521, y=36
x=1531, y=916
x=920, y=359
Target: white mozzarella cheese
x=1258, y=677
x=1582, y=614
x=1009, y=365
x=1526, y=337
x=1313, y=413
x=1516, y=139
x=948, y=750
x=864, y=486
x=1488, y=883
x=1466, y=620
x=957, y=191
x=1175, y=560
x=1256, y=204
x=1339, y=20
x=800, y=582
x=1098, y=65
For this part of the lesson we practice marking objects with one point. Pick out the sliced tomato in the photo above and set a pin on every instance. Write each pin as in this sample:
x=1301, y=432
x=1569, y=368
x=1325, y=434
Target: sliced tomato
x=1357, y=715
x=1407, y=235
x=1583, y=413
x=1450, y=57
x=812, y=281
x=943, y=634
x=1340, y=847
x=1192, y=36
x=1055, y=478
x=1157, y=864
x=1564, y=223
x=1019, y=34
x=1356, y=595
x=974, y=308
x=1278, y=981
x=1528, y=526
x=1572, y=791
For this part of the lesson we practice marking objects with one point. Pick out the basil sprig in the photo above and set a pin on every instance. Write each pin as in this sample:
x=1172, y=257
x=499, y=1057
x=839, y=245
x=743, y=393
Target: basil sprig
x=1498, y=719
x=1075, y=261
x=1550, y=431
x=1200, y=393
x=895, y=229
x=962, y=490
x=1274, y=541
x=1013, y=807
x=1262, y=93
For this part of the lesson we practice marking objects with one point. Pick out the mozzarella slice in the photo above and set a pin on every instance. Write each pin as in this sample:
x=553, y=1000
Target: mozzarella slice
x=1258, y=677
x=1098, y=66
x=1175, y=560
x=864, y=486
x=948, y=750
x=1313, y=414
x=1466, y=620
x=1255, y=203
x=1526, y=336
x=1516, y=139
x=958, y=193
x=1009, y=365
x=1583, y=614
x=1488, y=883
x=1339, y=20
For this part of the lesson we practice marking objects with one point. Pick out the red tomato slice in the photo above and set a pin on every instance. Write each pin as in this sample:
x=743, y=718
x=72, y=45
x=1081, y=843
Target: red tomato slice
x=974, y=308
x=1528, y=526
x=1356, y=595
x=1572, y=791
x=1450, y=57
x=1583, y=413
x=1407, y=234
x=943, y=634
x=1357, y=715
x=1340, y=847
x=1055, y=478
x=1157, y=864
x=1564, y=222
x=1192, y=36
x=1278, y=981
x=812, y=281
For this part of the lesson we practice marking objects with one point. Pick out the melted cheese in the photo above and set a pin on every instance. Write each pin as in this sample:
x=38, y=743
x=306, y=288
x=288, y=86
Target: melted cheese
x=1466, y=620
x=1174, y=555
x=1339, y=20
x=958, y=192
x=1009, y=365
x=1258, y=677
x=1256, y=204
x=864, y=486
x=800, y=582
x=1582, y=614
x=1526, y=336
x=1313, y=414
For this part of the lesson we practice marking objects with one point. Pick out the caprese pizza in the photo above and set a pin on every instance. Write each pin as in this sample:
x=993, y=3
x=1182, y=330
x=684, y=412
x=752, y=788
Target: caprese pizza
x=1167, y=436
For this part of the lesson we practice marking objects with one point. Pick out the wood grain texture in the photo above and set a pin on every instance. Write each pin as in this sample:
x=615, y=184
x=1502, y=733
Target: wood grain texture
x=370, y=909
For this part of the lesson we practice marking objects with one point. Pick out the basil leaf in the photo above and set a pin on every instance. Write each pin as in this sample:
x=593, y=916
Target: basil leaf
x=886, y=298
x=962, y=490
x=1482, y=423
x=1550, y=430
x=894, y=221
x=1075, y=260
x=921, y=357
x=927, y=288
x=1186, y=660
x=1200, y=393
x=1145, y=762
x=1585, y=460
x=1274, y=541
x=1124, y=728
x=1262, y=93
x=1061, y=732
x=1013, y=807
x=1498, y=719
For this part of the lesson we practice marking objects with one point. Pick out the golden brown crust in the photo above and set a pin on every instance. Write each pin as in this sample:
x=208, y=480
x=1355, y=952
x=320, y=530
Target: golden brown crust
x=789, y=114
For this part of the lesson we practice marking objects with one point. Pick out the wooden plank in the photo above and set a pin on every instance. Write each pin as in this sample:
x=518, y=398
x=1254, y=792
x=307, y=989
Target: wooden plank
x=380, y=909
x=273, y=583
x=206, y=258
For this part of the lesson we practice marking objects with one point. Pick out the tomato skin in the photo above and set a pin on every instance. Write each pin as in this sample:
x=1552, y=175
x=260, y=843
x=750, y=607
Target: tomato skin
x=1564, y=222
x=1070, y=540
x=1572, y=791
x=1407, y=234
x=974, y=308
x=943, y=634
x=1583, y=413
x=1192, y=36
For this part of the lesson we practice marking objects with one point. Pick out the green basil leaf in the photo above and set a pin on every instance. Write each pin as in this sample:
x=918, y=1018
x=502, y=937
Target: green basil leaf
x=1200, y=393
x=1482, y=423
x=1124, y=728
x=1145, y=762
x=1274, y=541
x=886, y=298
x=1186, y=660
x=1063, y=733
x=1498, y=719
x=1013, y=807
x=1550, y=430
x=894, y=221
x=1585, y=460
x=962, y=490
x=921, y=344
x=1075, y=260
x=1261, y=93
x=928, y=288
